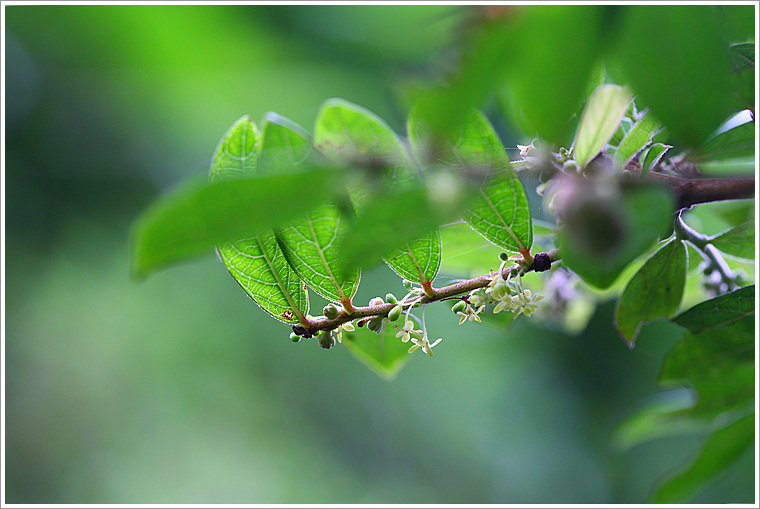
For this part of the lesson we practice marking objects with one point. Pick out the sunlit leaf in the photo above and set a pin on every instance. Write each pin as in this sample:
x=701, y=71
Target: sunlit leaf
x=635, y=140
x=719, y=452
x=309, y=242
x=196, y=217
x=499, y=211
x=257, y=263
x=676, y=60
x=739, y=241
x=599, y=121
x=603, y=235
x=654, y=292
x=383, y=353
x=348, y=133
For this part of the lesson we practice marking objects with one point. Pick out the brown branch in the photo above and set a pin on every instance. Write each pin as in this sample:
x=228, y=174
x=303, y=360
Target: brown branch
x=689, y=191
x=438, y=294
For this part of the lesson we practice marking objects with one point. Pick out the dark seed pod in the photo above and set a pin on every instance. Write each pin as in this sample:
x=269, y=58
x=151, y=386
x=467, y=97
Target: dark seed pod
x=541, y=262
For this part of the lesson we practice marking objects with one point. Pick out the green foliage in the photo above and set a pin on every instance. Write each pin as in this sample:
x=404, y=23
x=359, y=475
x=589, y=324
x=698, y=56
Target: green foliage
x=654, y=292
x=288, y=212
x=499, y=211
x=675, y=59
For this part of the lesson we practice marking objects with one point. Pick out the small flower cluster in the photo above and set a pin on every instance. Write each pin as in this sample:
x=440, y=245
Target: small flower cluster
x=418, y=338
x=505, y=294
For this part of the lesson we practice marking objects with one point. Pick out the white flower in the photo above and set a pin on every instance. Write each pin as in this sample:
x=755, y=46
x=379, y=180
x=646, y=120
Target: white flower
x=525, y=302
x=471, y=313
x=424, y=344
x=408, y=332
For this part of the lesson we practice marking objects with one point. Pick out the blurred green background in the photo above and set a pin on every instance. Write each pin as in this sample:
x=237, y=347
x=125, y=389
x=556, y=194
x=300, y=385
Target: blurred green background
x=179, y=389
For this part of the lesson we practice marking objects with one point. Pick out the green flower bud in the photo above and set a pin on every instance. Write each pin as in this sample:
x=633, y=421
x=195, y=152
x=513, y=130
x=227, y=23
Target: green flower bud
x=375, y=324
x=395, y=313
x=295, y=338
x=459, y=306
x=503, y=256
x=376, y=301
x=407, y=284
x=331, y=311
x=390, y=298
x=326, y=341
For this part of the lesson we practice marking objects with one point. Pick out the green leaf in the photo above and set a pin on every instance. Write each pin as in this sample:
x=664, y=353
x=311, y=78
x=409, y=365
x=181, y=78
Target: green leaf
x=257, y=263
x=309, y=242
x=635, y=140
x=743, y=56
x=499, y=211
x=720, y=451
x=260, y=267
x=735, y=308
x=678, y=65
x=196, y=217
x=717, y=357
x=383, y=353
x=550, y=47
x=651, y=156
x=348, y=133
x=731, y=144
x=602, y=235
x=599, y=121
x=738, y=241
x=654, y=292
x=235, y=155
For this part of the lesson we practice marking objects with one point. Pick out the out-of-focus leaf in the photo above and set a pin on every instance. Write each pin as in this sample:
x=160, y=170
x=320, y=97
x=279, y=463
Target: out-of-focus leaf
x=717, y=356
x=736, y=308
x=743, y=55
x=257, y=263
x=196, y=217
x=466, y=253
x=654, y=292
x=602, y=235
x=739, y=241
x=487, y=47
x=550, y=46
x=651, y=156
x=388, y=222
x=309, y=242
x=600, y=119
x=654, y=421
x=720, y=451
x=635, y=140
x=679, y=66
x=731, y=144
x=348, y=133
x=500, y=211
x=383, y=353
